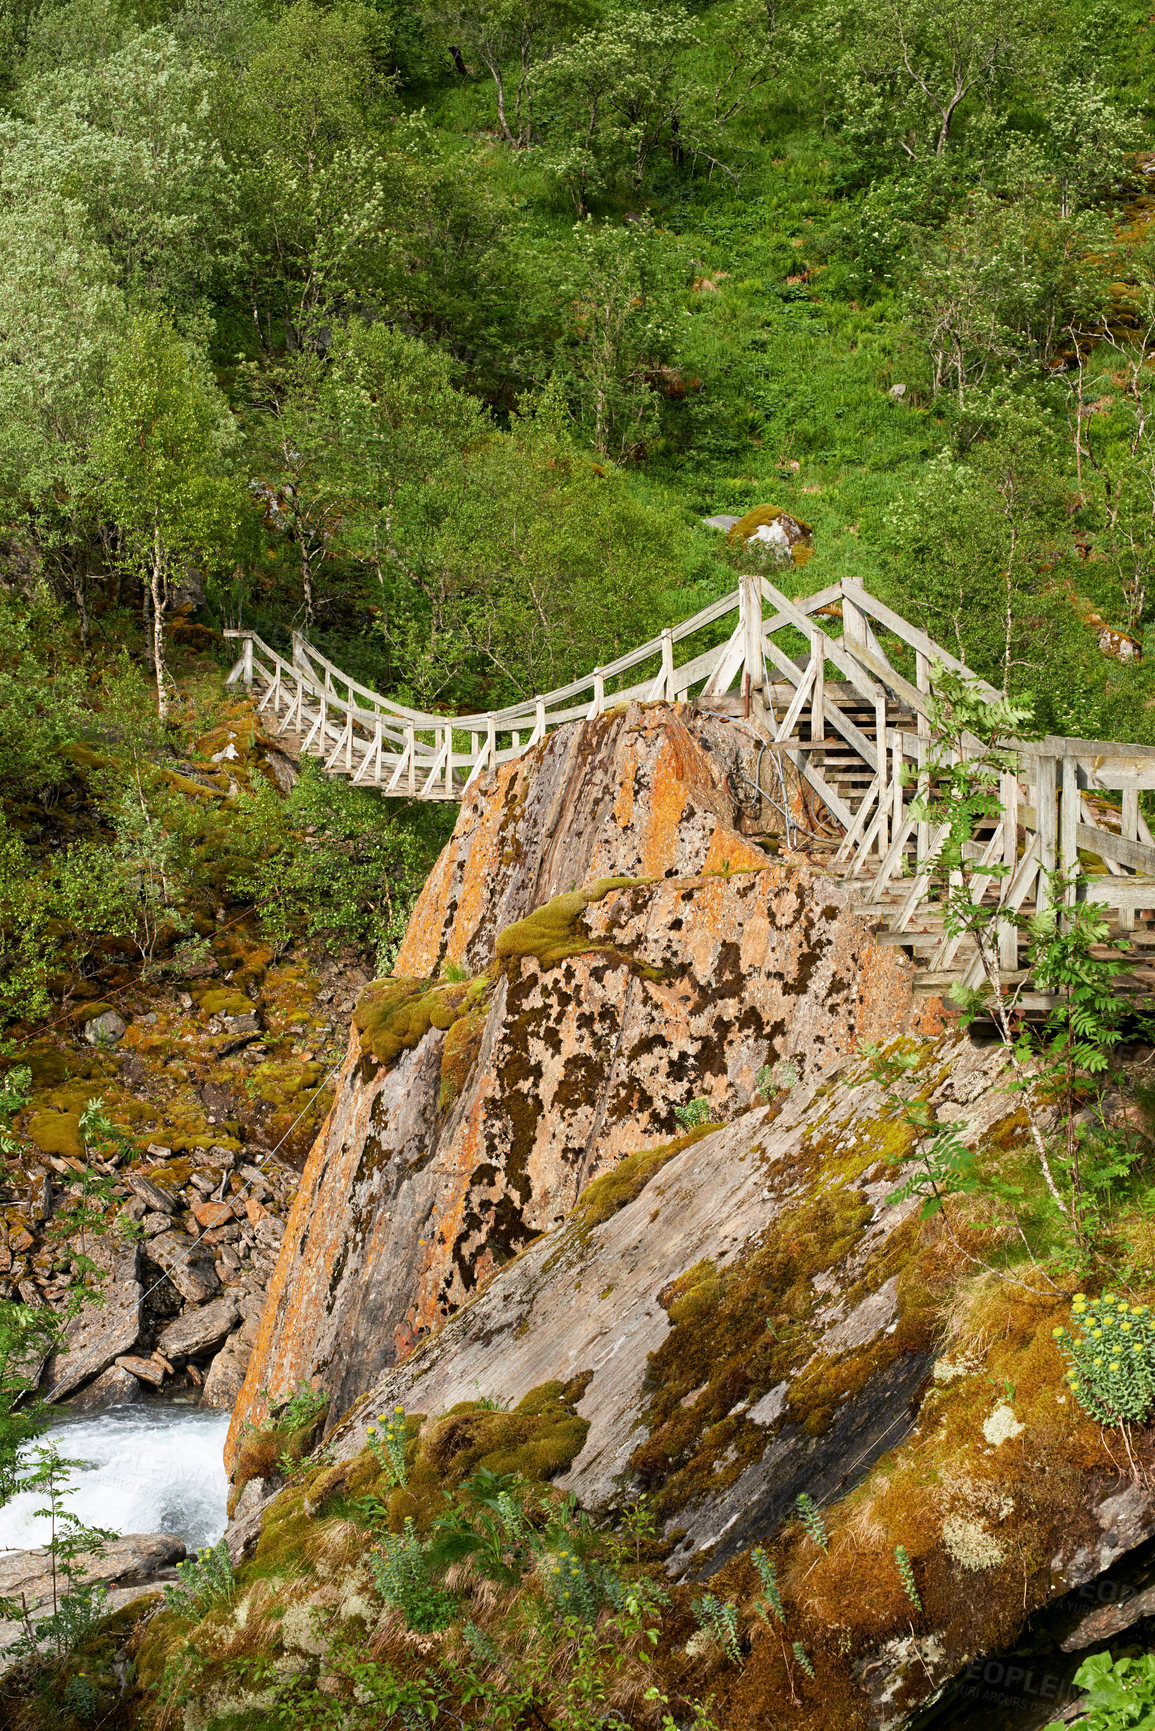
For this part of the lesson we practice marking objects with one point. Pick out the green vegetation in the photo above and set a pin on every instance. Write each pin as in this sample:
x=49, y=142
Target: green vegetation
x=1120, y=1693
x=435, y=328
x=202, y=1582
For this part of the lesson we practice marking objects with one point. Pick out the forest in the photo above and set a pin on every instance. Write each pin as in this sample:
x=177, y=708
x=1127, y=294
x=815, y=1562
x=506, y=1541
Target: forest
x=437, y=332
x=436, y=329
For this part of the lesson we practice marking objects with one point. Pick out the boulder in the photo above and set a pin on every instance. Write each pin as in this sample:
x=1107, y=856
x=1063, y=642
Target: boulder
x=1119, y=645
x=105, y=1029
x=789, y=536
x=113, y=1387
x=148, y=1370
x=722, y=521
x=188, y=1265
x=99, y=1334
x=447, y=1150
x=198, y=1331
x=659, y=1256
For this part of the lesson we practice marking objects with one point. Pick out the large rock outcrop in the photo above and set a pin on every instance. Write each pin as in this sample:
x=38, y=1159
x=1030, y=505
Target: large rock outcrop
x=765, y=1310
x=629, y=952
x=752, y=1320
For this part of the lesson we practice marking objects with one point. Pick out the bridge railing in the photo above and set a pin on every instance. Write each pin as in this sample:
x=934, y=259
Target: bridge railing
x=423, y=754
x=845, y=693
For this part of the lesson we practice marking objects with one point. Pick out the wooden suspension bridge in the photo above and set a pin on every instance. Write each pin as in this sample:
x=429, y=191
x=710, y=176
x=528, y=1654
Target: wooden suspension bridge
x=842, y=715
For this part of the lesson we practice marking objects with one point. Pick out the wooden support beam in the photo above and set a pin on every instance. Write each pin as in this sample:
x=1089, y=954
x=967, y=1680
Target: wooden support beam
x=1047, y=822
x=750, y=620
x=1116, y=847
x=818, y=695
x=1068, y=828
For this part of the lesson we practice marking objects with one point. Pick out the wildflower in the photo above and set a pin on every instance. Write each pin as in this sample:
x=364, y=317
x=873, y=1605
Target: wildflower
x=1114, y=1364
x=1098, y=1361
x=1058, y=1333
x=1097, y=1333
x=1126, y=1327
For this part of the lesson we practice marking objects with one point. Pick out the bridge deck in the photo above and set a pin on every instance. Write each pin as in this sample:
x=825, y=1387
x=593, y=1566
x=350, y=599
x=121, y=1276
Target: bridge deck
x=842, y=719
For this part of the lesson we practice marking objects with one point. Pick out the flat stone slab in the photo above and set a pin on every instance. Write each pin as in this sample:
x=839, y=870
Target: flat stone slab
x=197, y=1331
x=96, y=1338
x=158, y=1200
x=143, y=1369
x=127, y=1565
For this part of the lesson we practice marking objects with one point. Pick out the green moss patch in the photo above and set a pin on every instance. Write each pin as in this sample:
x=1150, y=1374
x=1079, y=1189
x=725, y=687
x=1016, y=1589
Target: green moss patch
x=56, y=1133
x=392, y=1016
x=554, y=931
x=617, y=1189
x=225, y=1001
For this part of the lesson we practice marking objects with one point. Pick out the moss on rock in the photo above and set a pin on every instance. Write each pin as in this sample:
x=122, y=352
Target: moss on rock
x=553, y=931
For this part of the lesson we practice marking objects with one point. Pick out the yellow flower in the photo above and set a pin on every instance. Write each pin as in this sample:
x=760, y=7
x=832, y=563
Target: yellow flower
x=1126, y=1327
x=1097, y=1333
x=1058, y=1333
x=1114, y=1364
x=1098, y=1361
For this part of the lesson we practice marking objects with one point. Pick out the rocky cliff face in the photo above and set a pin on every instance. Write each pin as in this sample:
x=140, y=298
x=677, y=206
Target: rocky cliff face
x=597, y=947
x=846, y=1412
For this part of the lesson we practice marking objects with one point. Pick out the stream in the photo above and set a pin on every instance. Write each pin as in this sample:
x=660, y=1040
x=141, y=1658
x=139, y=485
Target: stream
x=150, y=1468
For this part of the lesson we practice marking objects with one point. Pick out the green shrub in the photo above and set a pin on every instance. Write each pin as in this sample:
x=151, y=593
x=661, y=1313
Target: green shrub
x=202, y=1582
x=1120, y=1694
x=403, y=1576
x=1112, y=1362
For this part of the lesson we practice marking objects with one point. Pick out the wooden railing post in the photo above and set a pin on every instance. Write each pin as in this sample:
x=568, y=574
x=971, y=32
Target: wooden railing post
x=1068, y=826
x=491, y=741
x=599, y=701
x=539, y=721
x=854, y=625
x=668, y=666
x=247, y=658
x=883, y=791
x=922, y=727
x=1047, y=822
x=449, y=760
x=1130, y=829
x=411, y=748
x=1008, y=934
x=818, y=693
x=750, y=612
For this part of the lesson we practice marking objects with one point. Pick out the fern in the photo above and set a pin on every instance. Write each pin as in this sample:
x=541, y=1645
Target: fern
x=906, y=1574
x=768, y=1576
x=803, y=1659
x=811, y=1518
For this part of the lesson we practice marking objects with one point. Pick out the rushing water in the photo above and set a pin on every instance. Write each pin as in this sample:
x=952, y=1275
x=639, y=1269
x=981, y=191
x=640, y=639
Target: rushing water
x=146, y=1469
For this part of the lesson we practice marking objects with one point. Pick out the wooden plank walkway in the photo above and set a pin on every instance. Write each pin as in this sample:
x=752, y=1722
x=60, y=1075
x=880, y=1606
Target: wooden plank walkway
x=842, y=717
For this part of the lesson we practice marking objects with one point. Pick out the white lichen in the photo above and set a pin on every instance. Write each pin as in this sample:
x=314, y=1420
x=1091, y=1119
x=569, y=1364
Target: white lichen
x=1001, y=1425
x=970, y=1544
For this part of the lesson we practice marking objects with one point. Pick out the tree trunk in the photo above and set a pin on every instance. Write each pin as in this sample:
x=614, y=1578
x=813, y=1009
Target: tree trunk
x=156, y=587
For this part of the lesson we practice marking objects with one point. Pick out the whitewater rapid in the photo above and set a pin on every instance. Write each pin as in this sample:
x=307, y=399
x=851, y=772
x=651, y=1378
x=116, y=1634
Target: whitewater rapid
x=146, y=1469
